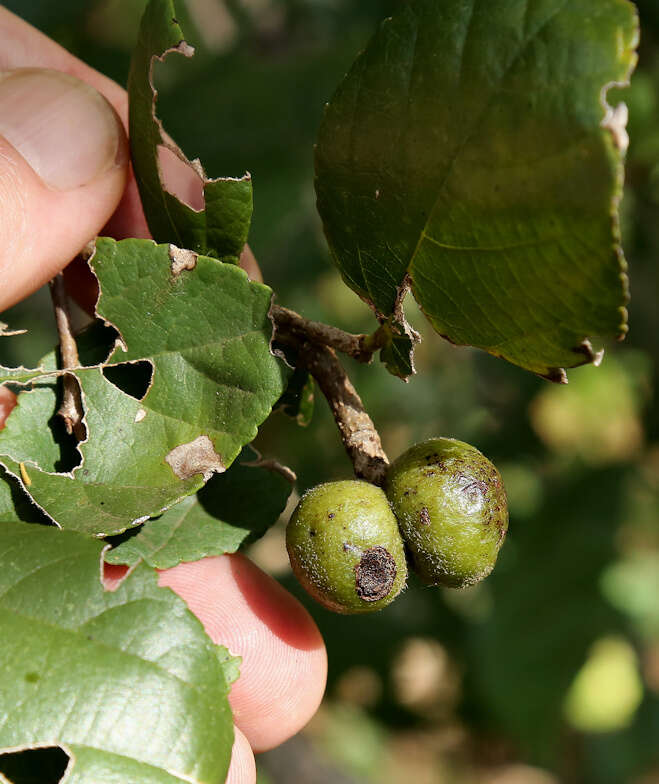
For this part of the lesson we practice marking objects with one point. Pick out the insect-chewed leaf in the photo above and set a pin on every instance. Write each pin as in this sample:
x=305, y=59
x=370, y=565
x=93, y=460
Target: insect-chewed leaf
x=206, y=333
x=90, y=670
x=221, y=228
x=122, y=478
x=470, y=152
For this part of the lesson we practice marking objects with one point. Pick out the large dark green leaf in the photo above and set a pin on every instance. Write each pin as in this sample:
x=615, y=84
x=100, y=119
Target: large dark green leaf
x=126, y=682
x=469, y=154
x=221, y=228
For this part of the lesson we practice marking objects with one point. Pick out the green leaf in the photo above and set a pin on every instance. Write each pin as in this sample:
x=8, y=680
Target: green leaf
x=397, y=353
x=131, y=652
x=469, y=153
x=33, y=431
x=398, y=356
x=233, y=509
x=207, y=332
x=20, y=375
x=221, y=228
x=123, y=478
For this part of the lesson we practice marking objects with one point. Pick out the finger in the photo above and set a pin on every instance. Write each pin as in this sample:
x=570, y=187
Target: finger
x=243, y=766
x=251, y=266
x=23, y=47
x=63, y=168
x=284, y=664
x=7, y=403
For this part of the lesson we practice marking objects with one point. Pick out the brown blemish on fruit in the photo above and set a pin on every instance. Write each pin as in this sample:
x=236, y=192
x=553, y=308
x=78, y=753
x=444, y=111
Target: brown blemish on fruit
x=476, y=485
x=424, y=516
x=312, y=532
x=330, y=516
x=375, y=574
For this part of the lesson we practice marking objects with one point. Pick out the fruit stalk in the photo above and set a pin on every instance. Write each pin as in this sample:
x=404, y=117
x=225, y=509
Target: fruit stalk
x=358, y=433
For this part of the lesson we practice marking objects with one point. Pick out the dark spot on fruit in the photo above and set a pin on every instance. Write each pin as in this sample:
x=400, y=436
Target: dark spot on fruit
x=375, y=574
x=32, y=677
x=429, y=473
x=312, y=532
x=331, y=516
x=424, y=516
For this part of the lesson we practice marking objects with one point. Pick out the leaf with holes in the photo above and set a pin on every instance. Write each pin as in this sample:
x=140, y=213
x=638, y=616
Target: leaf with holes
x=230, y=511
x=220, y=229
x=205, y=332
x=122, y=478
x=205, y=329
x=133, y=651
x=469, y=153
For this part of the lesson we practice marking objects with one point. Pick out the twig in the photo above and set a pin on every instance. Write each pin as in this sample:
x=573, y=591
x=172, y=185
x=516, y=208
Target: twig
x=71, y=408
x=359, y=347
x=358, y=433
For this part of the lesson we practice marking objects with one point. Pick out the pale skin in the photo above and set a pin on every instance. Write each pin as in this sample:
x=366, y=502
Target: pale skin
x=284, y=662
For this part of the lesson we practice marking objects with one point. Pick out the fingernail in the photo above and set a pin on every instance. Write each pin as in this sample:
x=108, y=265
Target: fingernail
x=66, y=131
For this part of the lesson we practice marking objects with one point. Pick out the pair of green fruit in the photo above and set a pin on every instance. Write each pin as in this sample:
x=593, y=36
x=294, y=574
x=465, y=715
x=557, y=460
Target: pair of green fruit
x=443, y=500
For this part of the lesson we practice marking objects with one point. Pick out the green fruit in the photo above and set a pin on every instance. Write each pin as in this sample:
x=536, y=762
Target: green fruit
x=451, y=508
x=345, y=547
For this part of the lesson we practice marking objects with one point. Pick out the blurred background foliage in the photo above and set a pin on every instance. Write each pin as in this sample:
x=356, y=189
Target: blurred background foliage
x=549, y=670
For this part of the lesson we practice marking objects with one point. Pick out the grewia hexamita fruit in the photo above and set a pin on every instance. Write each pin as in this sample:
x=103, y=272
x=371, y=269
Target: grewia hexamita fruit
x=345, y=547
x=451, y=508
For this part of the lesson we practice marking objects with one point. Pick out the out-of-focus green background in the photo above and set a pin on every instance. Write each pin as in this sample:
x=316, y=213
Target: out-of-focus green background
x=549, y=670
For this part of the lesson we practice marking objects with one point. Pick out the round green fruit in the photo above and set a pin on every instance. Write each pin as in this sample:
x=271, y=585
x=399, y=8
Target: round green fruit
x=345, y=547
x=451, y=508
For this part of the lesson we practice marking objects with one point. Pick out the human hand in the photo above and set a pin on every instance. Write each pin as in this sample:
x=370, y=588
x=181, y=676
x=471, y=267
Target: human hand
x=64, y=178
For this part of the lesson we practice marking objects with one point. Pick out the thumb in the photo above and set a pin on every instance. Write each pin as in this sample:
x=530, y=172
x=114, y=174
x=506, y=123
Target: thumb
x=63, y=169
